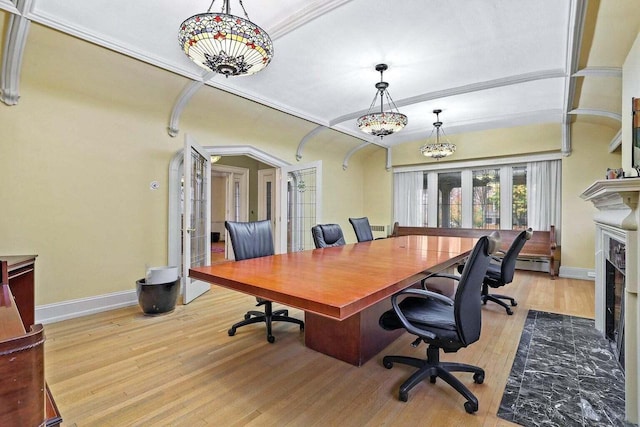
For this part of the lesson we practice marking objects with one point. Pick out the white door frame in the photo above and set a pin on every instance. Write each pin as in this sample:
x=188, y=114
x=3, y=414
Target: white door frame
x=264, y=176
x=175, y=173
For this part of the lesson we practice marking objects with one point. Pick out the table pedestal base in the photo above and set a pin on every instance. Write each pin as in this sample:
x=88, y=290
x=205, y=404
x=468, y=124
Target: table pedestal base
x=354, y=340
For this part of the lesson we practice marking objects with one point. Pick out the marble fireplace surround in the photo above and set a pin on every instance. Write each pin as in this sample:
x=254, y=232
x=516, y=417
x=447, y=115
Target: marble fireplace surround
x=618, y=216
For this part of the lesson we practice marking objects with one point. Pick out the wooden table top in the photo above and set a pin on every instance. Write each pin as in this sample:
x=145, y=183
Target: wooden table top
x=341, y=281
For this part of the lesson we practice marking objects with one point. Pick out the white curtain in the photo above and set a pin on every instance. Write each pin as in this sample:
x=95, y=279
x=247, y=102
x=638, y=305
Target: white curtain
x=407, y=198
x=544, y=193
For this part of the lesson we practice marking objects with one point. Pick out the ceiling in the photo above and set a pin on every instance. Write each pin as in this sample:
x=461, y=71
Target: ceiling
x=486, y=63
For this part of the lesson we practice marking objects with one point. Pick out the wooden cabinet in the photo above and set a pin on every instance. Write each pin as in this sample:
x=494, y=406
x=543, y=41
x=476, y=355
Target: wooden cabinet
x=24, y=396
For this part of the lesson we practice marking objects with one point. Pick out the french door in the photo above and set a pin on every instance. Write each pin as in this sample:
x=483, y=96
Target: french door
x=196, y=217
x=300, y=205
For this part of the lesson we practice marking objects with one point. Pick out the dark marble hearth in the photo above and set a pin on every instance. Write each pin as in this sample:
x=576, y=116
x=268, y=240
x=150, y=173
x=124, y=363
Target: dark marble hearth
x=563, y=375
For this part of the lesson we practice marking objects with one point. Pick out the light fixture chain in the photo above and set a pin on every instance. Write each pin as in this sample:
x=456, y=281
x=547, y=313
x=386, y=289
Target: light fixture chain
x=211, y=5
x=392, y=105
x=373, y=103
x=245, y=12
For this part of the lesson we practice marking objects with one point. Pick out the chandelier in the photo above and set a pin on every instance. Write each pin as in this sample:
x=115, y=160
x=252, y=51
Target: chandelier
x=224, y=43
x=382, y=123
x=437, y=149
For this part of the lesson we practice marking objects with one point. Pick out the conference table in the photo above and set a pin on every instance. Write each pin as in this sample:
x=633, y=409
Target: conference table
x=343, y=290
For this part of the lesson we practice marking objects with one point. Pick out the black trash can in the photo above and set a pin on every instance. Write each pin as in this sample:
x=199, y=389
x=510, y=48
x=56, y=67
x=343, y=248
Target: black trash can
x=158, y=298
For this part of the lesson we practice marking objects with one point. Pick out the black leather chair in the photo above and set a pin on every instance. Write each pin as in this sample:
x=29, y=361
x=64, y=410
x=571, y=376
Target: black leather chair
x=444, y=324
x=502, y=270
x=254, y=240
x=327, y=235
x=362, y=229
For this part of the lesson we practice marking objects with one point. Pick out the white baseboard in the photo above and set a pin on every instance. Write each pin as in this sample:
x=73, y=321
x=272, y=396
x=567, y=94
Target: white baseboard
x=50, y=313
x=576, y=273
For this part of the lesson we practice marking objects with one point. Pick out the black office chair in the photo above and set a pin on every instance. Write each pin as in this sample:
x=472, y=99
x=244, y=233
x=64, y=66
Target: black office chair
x=362, y=229
x=444, y=324
x=254, y=240
x=501, y=271
x=327, y=235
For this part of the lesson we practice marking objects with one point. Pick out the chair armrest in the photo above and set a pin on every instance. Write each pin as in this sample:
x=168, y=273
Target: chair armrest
x=445, y=275
x=422, y=294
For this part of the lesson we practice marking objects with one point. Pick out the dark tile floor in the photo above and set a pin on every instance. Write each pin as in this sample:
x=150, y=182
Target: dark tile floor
x=563, y=375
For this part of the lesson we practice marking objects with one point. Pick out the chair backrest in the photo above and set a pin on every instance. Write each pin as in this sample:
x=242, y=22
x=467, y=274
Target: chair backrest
x=467, y=303
x=327, y=235
x=362, y=228
x=508, y=266
x=250, y=239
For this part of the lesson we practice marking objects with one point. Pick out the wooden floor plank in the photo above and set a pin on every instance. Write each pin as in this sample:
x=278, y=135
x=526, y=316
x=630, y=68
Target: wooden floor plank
x=123, y=368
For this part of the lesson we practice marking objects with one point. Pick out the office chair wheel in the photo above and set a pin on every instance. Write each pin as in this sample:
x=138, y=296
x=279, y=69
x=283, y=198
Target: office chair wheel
x=271, y=339
x=509, y=311
x=470, y=407
x=432, y=379
x=302, y=327
x=478, y=378
x=231, y=332
x=387, y=364
x=247, y=316
x=514, y=303
x=403, y=396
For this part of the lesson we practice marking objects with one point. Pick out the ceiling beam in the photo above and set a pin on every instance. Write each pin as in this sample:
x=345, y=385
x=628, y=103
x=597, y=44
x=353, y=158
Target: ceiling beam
x=595, y=112
x=461, y=90
x=599, y=72
x=577, y=15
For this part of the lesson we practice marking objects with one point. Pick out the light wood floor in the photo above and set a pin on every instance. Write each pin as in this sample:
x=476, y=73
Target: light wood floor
x=122, y=368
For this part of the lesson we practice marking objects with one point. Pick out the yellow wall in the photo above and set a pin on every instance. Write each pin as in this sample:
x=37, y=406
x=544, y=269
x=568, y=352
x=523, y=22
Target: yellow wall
x=587, y=163
x=630, y=88
x=487, y=144
x=79, y=151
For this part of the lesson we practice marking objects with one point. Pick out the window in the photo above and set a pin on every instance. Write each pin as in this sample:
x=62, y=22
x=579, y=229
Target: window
x=449, y=200
x=508, y=195
x=519, y=198
x=486, y=198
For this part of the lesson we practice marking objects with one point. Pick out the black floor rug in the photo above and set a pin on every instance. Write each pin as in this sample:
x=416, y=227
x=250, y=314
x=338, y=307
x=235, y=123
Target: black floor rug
x=564, y=374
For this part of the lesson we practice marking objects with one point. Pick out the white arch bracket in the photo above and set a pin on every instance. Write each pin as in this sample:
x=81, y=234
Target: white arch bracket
x=15, y=41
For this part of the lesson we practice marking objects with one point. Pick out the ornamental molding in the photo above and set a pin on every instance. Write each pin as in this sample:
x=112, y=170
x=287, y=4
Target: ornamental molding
x=616, y=201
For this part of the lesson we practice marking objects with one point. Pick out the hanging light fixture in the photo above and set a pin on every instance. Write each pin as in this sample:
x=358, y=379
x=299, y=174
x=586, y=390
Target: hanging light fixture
x=224, y=43
x=437, y=149
x=382, y=123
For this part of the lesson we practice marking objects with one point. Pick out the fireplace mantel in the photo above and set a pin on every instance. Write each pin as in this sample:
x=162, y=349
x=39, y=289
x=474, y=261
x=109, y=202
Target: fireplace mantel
x=618, y=216
x=616, y=201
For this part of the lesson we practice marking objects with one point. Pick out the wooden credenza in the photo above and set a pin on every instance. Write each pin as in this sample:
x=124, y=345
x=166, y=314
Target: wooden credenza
x=25, y=399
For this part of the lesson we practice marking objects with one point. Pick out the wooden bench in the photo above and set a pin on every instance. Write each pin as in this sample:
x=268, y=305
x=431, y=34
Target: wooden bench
x=541, y=247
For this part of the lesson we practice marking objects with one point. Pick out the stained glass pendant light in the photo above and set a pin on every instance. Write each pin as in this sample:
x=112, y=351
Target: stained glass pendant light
x=224, y=43
x=382, y=123
x=437, y=149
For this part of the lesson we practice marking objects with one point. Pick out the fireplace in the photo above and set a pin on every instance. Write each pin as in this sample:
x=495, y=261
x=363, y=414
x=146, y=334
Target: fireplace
x=617, y=260
x=614, y=296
